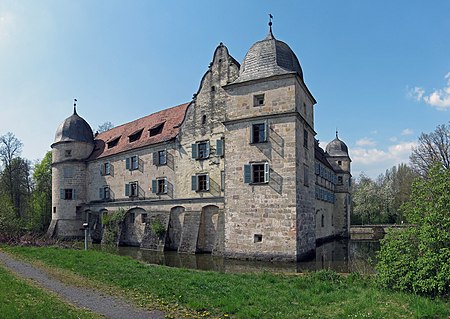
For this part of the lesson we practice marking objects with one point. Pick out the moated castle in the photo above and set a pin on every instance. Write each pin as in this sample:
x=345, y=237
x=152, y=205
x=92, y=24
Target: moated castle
x=235, y=172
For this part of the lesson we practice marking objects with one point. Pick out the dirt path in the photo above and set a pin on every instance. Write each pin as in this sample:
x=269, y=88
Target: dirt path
x=109, y=306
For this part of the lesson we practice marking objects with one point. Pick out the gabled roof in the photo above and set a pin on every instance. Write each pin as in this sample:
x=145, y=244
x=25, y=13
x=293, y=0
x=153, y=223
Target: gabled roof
x=172, y=117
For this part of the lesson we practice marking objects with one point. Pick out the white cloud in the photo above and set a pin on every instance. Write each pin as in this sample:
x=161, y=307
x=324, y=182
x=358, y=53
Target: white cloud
x=439, y=98
x=7, y=23
x=393, y=139
x=374, y=161
x=366, y=142
x=407, y=131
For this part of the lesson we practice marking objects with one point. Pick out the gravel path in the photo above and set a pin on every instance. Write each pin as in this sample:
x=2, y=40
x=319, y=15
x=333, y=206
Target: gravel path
x=106, y=305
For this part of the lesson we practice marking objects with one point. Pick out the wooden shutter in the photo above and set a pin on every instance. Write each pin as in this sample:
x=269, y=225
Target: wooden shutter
x=207, y=182
x=207, y=150
x=194, y=182
x=127, y=163
x=74, y=194
x=127, y=189
x=219, y=147
x=194, y=151
x=154, y=185
x=164, y=162
x=155, y=158
x=266, y=173
x=61, y=193
x=247, y=174
x=251, y=134
x=166, y=185
x=266, y=130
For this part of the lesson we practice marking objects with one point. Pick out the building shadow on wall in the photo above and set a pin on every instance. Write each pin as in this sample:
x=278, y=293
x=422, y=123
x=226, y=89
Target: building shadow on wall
x=276, y=182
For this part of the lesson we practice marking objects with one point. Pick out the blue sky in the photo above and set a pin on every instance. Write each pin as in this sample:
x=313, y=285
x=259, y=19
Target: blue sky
x=379, y=70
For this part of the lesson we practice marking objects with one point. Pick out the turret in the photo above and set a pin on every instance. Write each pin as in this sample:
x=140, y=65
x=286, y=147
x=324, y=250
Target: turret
x=337, y=155
x=74, y=143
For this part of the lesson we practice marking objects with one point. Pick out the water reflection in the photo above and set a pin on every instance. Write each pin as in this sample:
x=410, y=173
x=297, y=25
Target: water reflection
x=342, y=256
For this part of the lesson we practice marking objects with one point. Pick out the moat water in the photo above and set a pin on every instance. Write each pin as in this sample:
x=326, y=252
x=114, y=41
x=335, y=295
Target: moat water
x=343, y=256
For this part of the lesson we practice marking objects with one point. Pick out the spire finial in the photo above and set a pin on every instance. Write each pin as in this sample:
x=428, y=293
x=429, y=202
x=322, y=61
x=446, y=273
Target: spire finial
x=270, y=23
x=74, y=106
x=337, y=133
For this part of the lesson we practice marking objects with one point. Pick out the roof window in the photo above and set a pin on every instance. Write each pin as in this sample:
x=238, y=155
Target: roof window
x=135, y=136
x=157, y=129
x=113, y=142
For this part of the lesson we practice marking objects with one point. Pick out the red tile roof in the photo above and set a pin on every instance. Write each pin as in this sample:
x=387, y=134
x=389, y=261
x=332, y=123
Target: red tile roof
x=172, y=117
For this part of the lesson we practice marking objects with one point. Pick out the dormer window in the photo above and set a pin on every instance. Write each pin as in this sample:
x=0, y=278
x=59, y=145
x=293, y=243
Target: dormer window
x=157, y=129
x=135, y=136
x=113, y=142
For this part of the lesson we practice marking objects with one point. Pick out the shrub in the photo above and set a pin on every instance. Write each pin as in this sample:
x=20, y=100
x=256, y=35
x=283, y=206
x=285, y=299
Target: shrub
x=111, y=227
x=417, y=259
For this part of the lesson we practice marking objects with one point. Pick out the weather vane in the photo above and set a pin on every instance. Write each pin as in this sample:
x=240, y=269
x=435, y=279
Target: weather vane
x=74, y=105
x=270, y=22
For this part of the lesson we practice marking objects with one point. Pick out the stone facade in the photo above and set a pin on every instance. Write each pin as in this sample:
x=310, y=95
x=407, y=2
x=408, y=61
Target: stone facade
x=235, y=172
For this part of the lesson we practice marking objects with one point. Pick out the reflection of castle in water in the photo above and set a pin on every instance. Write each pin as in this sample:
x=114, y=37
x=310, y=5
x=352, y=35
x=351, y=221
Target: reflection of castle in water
x=341, y=256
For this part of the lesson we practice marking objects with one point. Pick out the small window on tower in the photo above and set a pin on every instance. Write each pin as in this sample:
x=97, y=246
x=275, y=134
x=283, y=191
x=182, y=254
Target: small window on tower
x=68, y=153
x=340, y=163
x=258, y=100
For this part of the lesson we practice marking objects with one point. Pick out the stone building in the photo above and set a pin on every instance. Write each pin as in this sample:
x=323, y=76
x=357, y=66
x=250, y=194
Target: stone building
x=235, y=172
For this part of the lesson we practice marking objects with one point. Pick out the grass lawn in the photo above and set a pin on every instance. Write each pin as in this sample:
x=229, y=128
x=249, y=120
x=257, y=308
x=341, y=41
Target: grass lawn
x=18, y=299
x=194, y=294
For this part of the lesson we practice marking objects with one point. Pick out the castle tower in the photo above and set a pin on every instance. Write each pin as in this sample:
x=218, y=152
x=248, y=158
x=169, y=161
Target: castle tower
x=74, y=143
x=269, y=166
x=337, y=156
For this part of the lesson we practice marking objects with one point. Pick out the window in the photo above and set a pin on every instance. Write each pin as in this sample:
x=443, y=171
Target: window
x=204, y=119
x=67, y=193
x=305, y=138
x=257, y=238
x=157, y=129
x=113, y=142
x=213, y=88
x=200, y=150
x=132, y=163
x=258, y=133
x=339, y=180
x=256, y=173
x=132, y=189
x=54, y=210
x=258, y=100
x=135, y=136
x=340, y=163
x=200, y=183
x=68, y=153
x=104, y=192
x=144, y=217
x=159, y=186
x=323, y=221
x=160, y=158
x=106, y=169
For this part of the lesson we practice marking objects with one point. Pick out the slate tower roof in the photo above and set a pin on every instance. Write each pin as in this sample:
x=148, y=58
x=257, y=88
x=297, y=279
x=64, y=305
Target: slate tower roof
x=267, y=58
x=74, y=129
x=337, y=147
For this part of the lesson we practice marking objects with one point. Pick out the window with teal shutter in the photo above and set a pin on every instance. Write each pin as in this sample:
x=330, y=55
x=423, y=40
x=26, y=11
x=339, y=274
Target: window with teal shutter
x=61, y=193
x=194, y=182
x=247, y=174
x=127, y=189
x=266, y=173
x=127, y=163
x=154, y=186
x=194, y=151
x=219, y=147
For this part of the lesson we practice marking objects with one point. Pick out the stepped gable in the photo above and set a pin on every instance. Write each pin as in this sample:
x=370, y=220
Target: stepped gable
x=164, y=126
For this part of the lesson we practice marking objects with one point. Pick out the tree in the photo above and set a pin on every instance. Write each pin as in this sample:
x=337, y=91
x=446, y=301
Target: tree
x=10, y=148
x=433, y=148
x=367, y=200
x=105, y=127
x=41, y=200
x=417, y=259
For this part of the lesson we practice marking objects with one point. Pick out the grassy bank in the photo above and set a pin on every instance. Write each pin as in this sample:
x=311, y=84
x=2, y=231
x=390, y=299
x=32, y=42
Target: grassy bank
x=218, y=295
x=19, y=299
